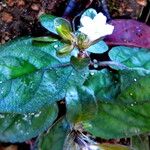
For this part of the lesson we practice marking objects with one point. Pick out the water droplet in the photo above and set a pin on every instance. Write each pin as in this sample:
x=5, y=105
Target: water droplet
x=131, y=94
x=91, y=73
x=1, y=82
x=38, y=114
x=25, y=117
x=55, y=46
x=2, y=116
x=135, y=79
x=132, y=105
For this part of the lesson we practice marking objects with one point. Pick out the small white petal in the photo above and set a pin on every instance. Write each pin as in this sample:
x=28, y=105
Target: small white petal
x=84, y=30
x=86, y=21
x=100, y=19
x=108, y=29
x=94, y=36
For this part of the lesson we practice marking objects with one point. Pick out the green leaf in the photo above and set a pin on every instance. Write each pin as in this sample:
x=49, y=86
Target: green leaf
x=131, y=57
x=117, y=121
x=32, y=77
x=45, y=39
x=98, y=48
x=104, y=84
x=47, y=21
x=135, y=87
x=128, y=114
x=63, y=28
x=65, y=50
x=80, y=63
x=90, y=13
x=80, y=103
x=55, y=138
x=22, y=127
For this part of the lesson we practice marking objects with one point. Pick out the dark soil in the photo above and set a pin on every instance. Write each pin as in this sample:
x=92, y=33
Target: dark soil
x=20, y=17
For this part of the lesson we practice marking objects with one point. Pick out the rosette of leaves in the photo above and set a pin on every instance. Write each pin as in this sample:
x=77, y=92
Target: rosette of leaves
x=108, y=103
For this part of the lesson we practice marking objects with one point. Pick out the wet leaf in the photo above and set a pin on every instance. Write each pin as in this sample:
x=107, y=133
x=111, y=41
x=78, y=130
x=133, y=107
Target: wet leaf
x=66, y=50
x=128, y=113
x=63, y=28
x=22, y=127
x=104, y=84
x=131, y=57
x=80, y=63
x=80, y=104
x=45, y=39
x=98, y=48
x=129, y=33
x=55, y=137
x=47, y=21
x=32, y=77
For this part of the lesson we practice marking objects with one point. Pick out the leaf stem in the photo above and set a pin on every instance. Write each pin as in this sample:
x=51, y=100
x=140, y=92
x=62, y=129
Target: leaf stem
x=109, y=63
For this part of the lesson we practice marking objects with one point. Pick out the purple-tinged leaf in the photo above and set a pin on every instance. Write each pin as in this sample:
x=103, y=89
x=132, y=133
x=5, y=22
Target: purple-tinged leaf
x=129, y=33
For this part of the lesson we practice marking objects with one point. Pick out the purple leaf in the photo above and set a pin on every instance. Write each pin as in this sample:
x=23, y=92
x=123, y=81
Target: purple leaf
x=129, y=33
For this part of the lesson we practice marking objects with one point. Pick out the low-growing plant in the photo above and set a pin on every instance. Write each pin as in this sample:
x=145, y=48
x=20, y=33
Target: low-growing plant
x=52, y=89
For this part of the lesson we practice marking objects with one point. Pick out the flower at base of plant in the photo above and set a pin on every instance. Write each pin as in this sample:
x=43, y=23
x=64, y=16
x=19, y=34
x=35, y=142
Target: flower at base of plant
x=95, y=28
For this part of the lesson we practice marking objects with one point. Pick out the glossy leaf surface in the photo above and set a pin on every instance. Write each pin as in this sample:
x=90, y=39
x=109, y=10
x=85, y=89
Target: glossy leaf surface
x=32, y=77
x=22, y=127
x=98, y=48
x=63, y=28
x=131, y=57
x=129, y=33
x=47, y=21
x=128, y=114
x=55, y=137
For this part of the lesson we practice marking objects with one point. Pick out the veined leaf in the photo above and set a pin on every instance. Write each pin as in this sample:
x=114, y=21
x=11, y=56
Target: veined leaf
x=131, y=57
x=47, y=21
x=22, y=127
x=80, y=103
x=32, y=77
x=80, y=63
x=104, y=84
x=129, y=113
x=55, y=138
x=135, y=87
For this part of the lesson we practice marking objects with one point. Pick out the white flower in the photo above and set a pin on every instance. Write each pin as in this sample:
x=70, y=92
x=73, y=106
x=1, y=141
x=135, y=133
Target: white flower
x=95, y=28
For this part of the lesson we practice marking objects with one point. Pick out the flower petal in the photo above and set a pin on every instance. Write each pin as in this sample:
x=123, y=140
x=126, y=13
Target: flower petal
x=86, y=21
x=87, y=30
x=99, y=19
x=108, y=29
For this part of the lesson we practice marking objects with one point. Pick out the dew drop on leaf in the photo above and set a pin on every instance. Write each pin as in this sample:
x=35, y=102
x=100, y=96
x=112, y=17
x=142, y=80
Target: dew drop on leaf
x=92, y=73
x=132, y=105
x=2, y=116
x=38, y=114
x=131, y=94
x=55, y=46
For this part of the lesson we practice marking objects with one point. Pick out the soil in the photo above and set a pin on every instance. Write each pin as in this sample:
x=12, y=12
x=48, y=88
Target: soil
x=20, y=17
